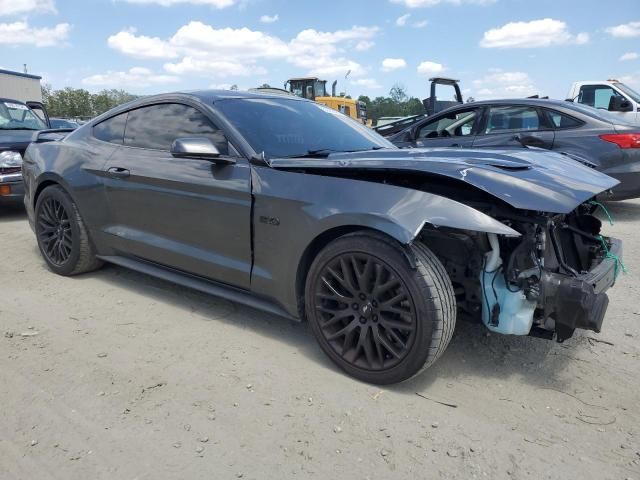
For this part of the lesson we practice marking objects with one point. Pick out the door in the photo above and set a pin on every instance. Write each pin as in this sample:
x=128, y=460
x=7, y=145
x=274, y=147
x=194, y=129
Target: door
x=189, y=214
x=39, y=109
x=514, y=126
x=454, y=129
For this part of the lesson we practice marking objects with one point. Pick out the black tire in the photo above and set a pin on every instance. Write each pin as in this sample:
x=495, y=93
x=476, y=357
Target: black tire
x=416, y=329
x=62, y=236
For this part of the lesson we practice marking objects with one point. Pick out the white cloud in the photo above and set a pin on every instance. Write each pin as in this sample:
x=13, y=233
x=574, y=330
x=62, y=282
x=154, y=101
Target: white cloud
x=431, y=3
x=500, y=84
x=13, y=7
x=20, y=33
x=430, y=68
x=221, y=86
x=168, y=3
x=137, y=77
x=536, y=33
x=631, y=80
x=201, y=49
x=402, y=21
x=625, y=30
x=369, y=83
x=629, y=56
x=269, y=18
x=338, y=68
x=364, y=45
x=420, y=24
x=389, y=64
x=216, y=68
x=140, y=46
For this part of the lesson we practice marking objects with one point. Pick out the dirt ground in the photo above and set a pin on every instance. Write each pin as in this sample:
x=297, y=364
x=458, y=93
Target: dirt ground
x=115, y=375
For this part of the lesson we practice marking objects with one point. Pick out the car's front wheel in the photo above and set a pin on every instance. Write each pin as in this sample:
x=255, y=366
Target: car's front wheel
x=62, y=235
x=377, y=316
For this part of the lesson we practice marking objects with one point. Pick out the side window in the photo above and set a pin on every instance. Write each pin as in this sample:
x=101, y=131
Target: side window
x=512, y=119
x=597, y=96
x=561, y=120
x=457, y=124
x=157, y=126
x=111, y=130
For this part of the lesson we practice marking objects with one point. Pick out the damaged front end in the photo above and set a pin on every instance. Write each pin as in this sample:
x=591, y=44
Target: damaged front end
x=547, y=282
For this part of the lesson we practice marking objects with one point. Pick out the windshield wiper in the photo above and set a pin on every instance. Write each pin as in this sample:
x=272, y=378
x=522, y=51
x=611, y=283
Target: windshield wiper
x=19, y=128
x=325, y=152
x=365, y=149
x=317, y=153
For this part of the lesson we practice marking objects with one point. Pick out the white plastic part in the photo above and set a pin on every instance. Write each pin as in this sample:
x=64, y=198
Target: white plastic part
x=516, y=312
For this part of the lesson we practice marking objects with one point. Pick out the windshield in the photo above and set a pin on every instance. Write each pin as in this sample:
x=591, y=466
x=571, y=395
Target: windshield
x=629, y=91
x=17, y=116
x=290, y=128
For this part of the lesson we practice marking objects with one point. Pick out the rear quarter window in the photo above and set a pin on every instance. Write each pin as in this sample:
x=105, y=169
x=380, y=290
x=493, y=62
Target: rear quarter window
x=560, y=120
x=111, y=130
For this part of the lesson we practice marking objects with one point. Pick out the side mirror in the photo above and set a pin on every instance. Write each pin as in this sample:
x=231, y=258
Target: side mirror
x=199, y=148
x=620, y=104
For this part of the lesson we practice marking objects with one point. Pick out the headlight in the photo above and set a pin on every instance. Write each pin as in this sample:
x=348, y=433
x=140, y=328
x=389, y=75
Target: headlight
x=10, y=159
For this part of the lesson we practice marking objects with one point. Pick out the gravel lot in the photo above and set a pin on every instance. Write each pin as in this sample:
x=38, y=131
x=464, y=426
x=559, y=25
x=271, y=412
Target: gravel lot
x=115, y=375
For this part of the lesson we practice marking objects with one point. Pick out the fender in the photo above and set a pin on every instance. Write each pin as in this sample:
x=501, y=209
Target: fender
x=50, y=162
x=310, y=205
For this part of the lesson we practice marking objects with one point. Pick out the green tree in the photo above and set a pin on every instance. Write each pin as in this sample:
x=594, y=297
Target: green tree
x=72, y=103
x=397, y=104
x=398, y=93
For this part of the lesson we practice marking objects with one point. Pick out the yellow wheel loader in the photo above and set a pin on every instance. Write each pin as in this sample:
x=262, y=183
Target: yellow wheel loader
x=315, y=89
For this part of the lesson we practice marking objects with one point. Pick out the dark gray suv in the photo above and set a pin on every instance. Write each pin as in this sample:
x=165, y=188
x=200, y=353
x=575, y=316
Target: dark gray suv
x=593, y=137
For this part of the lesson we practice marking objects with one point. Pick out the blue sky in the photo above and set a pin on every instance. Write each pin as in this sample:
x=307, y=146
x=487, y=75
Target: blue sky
x=497, y=48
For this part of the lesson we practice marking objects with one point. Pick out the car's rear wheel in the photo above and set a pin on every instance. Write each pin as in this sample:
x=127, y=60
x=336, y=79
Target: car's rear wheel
x=378, y=317
x=61, y=233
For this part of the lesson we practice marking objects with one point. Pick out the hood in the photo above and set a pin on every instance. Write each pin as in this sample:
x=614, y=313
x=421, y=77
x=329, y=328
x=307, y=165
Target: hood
x=527, y=179
x=15, y=139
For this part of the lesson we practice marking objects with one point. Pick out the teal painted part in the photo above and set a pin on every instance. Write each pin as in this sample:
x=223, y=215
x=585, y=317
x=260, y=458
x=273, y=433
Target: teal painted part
x=516, y=312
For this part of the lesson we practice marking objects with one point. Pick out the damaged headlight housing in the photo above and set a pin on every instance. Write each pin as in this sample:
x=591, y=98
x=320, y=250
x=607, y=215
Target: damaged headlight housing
x=10, y=159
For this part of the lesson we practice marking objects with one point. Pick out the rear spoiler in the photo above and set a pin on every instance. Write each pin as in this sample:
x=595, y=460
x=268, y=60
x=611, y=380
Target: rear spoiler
x=36, y=136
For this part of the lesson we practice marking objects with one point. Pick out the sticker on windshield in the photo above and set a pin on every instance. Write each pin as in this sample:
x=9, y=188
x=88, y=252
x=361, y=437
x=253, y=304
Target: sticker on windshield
x=16, y=106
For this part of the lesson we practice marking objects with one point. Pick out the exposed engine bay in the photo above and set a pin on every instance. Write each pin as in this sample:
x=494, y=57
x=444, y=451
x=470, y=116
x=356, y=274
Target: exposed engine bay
x=547, y=282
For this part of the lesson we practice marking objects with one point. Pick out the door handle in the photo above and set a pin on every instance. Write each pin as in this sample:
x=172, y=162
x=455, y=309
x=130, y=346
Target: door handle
x=118, y=172
x=456, y=145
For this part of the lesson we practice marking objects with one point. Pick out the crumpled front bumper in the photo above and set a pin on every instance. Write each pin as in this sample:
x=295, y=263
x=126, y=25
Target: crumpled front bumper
x=581, y=302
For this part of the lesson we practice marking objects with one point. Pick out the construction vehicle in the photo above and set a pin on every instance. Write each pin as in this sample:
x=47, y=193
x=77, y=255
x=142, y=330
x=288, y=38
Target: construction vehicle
x=432, y=105
x=313, y=88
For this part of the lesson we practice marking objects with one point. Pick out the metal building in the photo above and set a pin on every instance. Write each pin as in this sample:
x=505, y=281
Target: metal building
x=20, y=86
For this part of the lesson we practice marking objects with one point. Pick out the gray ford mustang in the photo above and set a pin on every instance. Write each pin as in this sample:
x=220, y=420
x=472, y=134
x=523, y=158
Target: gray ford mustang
x=293, y=208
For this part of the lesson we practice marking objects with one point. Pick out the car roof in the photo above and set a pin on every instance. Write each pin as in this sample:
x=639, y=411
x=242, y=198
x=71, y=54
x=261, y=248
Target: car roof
x=534, y=102
x=203, y=96
x=546, y=102
x=215, y=95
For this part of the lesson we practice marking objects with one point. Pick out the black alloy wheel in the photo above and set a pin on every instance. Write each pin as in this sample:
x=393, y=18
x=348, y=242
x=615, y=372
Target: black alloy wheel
x=382, y=311
x=367, y=315
x=54, y=231
x=62, y=236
